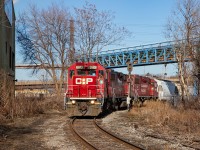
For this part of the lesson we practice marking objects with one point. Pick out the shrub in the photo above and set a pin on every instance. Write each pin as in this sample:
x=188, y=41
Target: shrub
x=22, y=105
x=6, y=94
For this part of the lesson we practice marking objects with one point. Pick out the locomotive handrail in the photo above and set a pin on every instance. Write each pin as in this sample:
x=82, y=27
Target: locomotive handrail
x=102, y=95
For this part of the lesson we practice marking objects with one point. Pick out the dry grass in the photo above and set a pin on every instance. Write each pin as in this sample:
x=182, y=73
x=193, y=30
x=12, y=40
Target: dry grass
x=6, y=94
x=21, y=106
x=162, y=114
x=24, y=106
x=29, y=106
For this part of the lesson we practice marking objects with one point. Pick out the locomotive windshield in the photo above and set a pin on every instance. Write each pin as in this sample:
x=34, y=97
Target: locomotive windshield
x=86, y=72
x=71, y=73
x=81, y=72
x=92, y=72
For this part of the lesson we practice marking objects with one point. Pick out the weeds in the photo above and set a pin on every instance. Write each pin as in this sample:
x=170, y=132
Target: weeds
x=163, y=114
x=6, y=95
x=22, y=106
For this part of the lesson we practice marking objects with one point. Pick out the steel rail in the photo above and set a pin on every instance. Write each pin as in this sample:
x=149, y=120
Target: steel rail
x=83, y=140
x=126, y=143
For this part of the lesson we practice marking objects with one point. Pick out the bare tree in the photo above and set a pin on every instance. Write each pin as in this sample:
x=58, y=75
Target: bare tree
x=196, y=66
x=183, y=27
x=50, y=37
x=44, y=38
x=95, y=29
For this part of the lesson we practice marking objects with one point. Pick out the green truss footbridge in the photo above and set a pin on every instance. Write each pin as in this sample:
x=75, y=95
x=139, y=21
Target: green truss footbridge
x=152, y=54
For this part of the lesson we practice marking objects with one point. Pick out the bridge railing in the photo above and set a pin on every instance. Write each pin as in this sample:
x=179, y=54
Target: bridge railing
x=141, y=47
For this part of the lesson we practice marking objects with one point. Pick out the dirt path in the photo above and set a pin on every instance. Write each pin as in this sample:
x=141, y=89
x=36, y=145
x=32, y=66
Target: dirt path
x=45, y=132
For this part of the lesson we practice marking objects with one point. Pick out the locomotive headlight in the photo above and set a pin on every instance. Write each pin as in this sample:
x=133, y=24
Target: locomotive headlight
x=152, y=88
x=92, y=101
x=101, y=81
x=73, y=101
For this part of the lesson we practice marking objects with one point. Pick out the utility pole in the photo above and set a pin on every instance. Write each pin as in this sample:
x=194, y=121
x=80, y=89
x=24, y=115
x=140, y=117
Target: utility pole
x=165, y=74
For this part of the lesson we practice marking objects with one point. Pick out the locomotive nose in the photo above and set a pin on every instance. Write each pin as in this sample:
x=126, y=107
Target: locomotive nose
x=85, y=86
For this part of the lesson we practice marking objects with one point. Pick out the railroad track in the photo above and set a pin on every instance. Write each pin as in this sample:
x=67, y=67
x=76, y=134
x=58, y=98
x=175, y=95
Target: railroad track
x=93, y=136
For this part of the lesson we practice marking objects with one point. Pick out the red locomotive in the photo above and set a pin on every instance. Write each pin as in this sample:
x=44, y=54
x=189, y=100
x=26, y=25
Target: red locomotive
x=143, y=88
x=92, y=89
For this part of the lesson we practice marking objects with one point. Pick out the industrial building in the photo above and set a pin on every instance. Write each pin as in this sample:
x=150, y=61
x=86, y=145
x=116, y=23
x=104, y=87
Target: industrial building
x=7, y=37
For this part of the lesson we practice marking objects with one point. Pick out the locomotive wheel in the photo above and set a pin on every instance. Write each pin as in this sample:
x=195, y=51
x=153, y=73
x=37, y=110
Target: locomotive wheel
x=137, y=103
x=140, y=103
x=107, y=105
x=116, y=104
x=104, y=106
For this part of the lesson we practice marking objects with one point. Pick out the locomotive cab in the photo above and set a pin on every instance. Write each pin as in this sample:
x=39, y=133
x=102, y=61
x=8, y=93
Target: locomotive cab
x=153, y=89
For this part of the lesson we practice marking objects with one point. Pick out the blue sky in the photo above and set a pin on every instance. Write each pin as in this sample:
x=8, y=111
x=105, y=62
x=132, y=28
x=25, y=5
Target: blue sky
x=144, y=18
